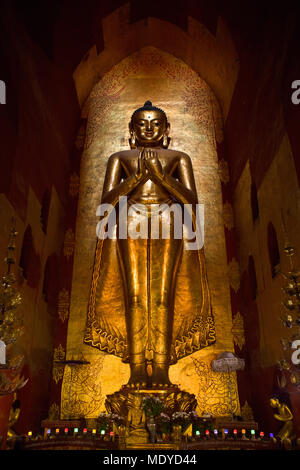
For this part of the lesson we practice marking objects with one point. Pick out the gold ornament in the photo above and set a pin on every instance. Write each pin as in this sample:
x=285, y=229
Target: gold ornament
x=234, y=274
x=246, y=412
x=214, y=395
x=59, y=353
x=238, y=330
x=57, y=372
x=54, y=411
x=81, y=393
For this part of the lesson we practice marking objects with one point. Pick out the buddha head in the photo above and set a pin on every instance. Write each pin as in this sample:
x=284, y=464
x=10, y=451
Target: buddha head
x=274, y=402
x=149, y=127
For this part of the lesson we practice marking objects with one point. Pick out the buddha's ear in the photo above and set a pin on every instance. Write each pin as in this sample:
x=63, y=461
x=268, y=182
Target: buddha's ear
x=166, y=139
x=132, y=139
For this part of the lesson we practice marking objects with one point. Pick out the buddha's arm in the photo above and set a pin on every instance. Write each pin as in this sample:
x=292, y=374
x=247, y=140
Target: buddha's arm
x=183, y=190
x=284, y=415
x=279, y=417
x=113, y=188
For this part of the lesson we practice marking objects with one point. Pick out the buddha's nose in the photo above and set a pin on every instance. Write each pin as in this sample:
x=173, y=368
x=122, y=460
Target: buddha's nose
x=148, y=126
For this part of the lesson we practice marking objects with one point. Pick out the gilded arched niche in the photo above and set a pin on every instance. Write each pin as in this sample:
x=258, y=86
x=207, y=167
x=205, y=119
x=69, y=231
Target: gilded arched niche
x=196, y=127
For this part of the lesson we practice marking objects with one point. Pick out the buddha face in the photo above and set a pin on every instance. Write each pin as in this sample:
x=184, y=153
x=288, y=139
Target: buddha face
x=149, y=127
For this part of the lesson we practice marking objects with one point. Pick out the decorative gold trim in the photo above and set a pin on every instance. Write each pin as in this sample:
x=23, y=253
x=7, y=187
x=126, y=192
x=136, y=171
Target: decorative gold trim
x=63, y=304
x=238, y=330
x=58, y=369
x=59, y=353
x=214, y=396
x=57, y=372
x=81, y=391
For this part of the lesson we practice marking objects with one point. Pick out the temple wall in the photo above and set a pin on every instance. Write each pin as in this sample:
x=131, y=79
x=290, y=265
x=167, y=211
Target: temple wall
x=278, y=199
x=37, y=133
x=213, y=57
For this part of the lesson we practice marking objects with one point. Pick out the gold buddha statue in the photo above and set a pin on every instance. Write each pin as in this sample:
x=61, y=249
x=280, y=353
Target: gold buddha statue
x=136, y=421
x=149, y=300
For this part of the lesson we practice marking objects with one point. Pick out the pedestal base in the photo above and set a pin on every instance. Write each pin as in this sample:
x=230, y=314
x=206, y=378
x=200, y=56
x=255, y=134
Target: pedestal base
x=173, y=398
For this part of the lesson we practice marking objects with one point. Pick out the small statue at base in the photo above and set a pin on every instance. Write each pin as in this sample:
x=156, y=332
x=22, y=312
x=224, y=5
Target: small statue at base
x=285, y=435
x=136, y=422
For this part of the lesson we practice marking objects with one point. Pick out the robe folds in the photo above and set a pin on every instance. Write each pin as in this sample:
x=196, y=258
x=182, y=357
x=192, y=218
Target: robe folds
x=193, y=323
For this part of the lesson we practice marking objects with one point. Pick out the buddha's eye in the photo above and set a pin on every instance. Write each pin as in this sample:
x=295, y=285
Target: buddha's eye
x=142, y=124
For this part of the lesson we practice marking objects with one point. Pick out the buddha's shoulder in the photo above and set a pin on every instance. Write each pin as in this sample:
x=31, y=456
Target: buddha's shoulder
x=176, y=154
x=124, y=154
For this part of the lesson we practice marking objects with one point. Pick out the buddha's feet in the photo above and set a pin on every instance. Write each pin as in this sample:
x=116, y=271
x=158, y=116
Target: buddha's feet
x=138, y=376
x=160, y=376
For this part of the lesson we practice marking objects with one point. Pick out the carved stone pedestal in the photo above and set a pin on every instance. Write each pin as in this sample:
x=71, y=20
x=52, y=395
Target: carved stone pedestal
x=173, y=398
x=127, y=402
x=122, y=402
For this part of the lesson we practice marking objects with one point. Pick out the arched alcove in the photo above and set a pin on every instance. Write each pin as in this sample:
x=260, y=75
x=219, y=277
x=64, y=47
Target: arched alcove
x=196, y=127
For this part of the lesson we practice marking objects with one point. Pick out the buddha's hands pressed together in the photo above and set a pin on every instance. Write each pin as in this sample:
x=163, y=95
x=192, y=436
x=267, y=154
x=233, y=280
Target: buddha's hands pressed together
x=152, y=163
x=142, y=171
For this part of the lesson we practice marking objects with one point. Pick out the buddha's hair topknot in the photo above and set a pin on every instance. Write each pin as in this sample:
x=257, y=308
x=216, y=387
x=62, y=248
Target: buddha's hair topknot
x=148, y=107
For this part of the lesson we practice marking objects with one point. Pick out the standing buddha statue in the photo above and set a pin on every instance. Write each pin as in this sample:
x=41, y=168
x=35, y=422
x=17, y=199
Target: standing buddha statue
x=149, y=300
